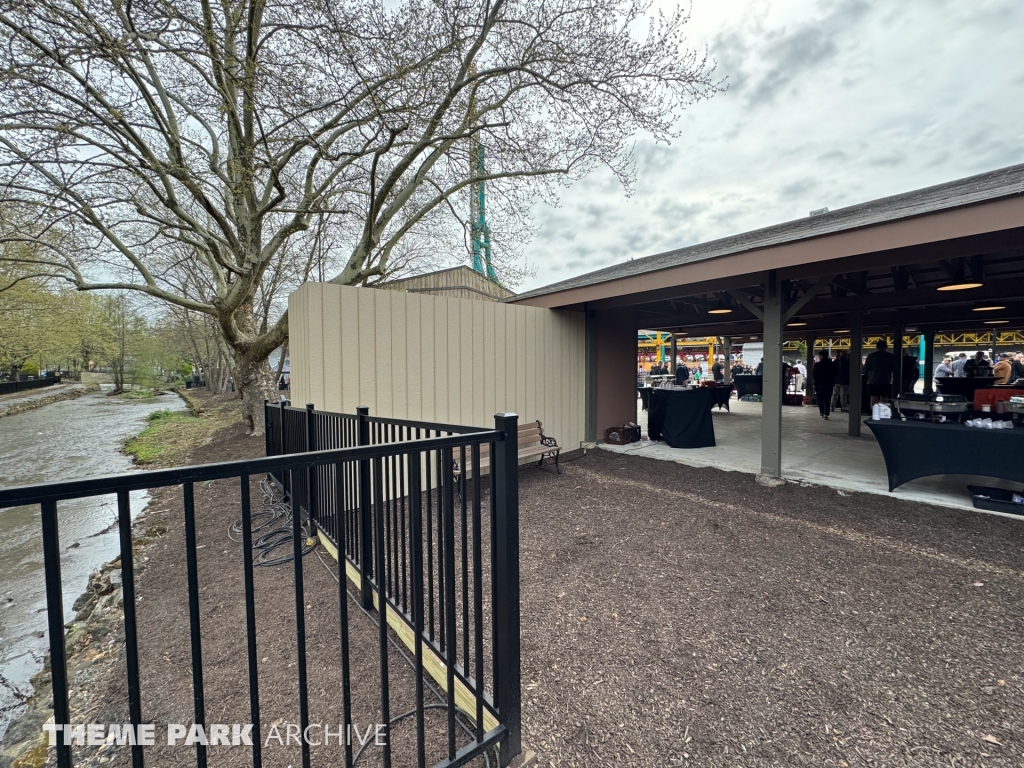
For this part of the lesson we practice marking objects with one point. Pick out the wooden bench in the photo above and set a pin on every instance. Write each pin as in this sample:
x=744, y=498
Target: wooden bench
x=532, y=443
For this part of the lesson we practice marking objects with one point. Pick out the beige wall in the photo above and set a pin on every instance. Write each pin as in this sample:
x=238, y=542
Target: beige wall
x=456, y=283
x=433, y=358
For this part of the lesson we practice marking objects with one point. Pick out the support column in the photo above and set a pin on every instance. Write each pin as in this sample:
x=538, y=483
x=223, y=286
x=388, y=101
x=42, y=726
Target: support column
x=675, y=354
x=897, y=350
x=856, y=351
x=771, y=400
x=809, y=365
x=727, y=341
x=929, y=360
x=590, y=377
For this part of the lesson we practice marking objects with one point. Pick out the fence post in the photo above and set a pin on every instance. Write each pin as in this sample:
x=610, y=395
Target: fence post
x=266, y=430
x=285, y=478
x=507, y=683
x=311, y=471
x=365, y=523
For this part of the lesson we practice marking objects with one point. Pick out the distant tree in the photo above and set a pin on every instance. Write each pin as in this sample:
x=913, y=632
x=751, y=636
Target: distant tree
x=238, y=137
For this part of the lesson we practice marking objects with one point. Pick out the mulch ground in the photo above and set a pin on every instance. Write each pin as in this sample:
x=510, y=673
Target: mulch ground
x=671, y=616
x=685, y=616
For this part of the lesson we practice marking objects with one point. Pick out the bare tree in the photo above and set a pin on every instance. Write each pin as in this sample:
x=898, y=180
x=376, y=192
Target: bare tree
x=142, y=135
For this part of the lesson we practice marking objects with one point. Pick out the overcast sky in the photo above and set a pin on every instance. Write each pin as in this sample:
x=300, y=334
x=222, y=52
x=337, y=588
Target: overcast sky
x=830, y=103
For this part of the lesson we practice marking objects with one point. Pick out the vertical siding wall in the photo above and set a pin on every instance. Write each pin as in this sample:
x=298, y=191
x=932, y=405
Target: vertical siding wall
x=432, y=358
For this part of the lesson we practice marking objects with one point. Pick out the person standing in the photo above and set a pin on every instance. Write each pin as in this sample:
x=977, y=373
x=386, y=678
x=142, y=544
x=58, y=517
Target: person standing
x=759, y=371
x=737, y=369
x=958, y=366
x=911, y=372
x=801, y=374
x=977, y=366
x=824, y=376
x=879, y=366
x=1018, y=367
x=641, y=376
x=944, y=370
x=841, y=393
x=718, y=372
x=1003, y=369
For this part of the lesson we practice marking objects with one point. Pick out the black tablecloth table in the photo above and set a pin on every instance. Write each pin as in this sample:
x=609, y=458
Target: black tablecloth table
x=645, y=397
x=682, y=417
x=914, y=449
x=748, y=384
x=720, y=396
x=948, y=385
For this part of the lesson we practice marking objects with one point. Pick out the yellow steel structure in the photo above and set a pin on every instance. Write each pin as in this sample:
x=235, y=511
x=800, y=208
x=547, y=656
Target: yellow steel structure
x=661, y=342
x=983, y=339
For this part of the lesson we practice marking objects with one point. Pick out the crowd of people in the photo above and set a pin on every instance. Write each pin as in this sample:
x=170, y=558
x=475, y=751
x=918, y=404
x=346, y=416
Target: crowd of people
x=1007, y=369
x=832, y=374
x=688, y=370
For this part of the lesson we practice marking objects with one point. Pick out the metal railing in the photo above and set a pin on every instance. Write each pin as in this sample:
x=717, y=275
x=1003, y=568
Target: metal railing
x=446, y=570
x=392, y=506
x=10, y=387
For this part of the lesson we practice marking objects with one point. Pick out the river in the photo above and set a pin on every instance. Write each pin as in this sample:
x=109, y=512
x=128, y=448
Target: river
x=66, y=440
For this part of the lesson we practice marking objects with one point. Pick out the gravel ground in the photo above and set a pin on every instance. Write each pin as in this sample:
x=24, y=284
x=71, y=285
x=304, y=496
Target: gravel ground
x=671, y=616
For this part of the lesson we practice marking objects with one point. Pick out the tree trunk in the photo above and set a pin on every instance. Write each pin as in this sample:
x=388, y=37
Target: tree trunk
x=254, y=382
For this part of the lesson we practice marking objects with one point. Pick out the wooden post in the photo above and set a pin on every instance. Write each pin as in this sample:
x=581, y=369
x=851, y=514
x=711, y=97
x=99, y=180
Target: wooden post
x=856, y=350
x=809, y=365
x=727, y=343
x=771, y=400
x=897, y=351
x=929, y=360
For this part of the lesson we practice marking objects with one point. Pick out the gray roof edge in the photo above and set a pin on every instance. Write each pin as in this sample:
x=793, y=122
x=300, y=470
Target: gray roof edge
x=971, y=190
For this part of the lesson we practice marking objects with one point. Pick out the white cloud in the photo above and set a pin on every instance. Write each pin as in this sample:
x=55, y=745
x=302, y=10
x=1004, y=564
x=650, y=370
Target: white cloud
x=831, y=103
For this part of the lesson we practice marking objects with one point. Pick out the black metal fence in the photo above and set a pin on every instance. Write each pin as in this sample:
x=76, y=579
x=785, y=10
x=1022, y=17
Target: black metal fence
x=10, y=387
x=442, y=549
x=388, y=504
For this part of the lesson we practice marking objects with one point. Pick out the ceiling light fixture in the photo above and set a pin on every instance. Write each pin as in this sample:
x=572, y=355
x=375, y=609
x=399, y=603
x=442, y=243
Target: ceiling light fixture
x=847, y=330
x=960, y=283
x=988, y=308
x=796, y=322
x=721, y=308
x=996, y=322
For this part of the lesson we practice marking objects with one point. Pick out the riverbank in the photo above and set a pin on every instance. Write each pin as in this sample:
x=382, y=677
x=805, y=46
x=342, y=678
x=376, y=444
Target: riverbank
x=172, y=435
x=95, y=647
x=29, y=401
x=210, y=431
x=78, y=437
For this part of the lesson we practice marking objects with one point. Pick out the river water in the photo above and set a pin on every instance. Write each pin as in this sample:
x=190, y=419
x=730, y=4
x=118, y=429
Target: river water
x=67, y=440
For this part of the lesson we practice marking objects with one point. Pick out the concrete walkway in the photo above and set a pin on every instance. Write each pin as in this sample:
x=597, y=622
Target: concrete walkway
x=813, y=451
x=17, y=402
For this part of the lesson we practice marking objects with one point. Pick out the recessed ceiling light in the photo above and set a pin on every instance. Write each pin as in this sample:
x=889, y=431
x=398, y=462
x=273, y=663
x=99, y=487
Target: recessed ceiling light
x=996, y=322
x=988, y=308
